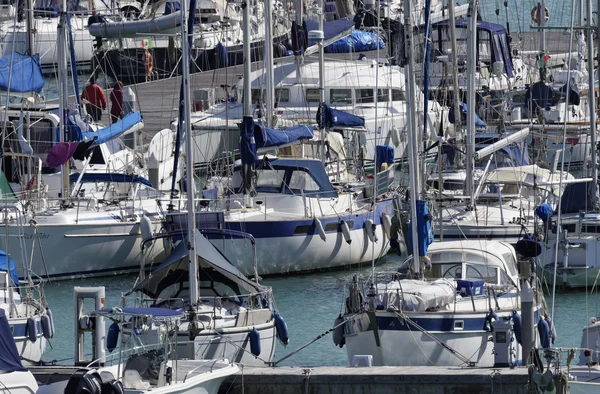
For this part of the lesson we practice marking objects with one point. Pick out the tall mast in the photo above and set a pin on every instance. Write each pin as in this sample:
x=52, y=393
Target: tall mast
x=189, y=156
x=455, y=86
x=270, y=96
x=63, y=91
x=470, y=140
x=247, y=58
x=298, y=12
x=412, y=132
x=320, y=12
x=592, y=101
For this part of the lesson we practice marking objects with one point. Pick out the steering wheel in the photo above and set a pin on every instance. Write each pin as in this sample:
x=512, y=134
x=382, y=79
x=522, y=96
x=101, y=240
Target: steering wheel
x=450, y=268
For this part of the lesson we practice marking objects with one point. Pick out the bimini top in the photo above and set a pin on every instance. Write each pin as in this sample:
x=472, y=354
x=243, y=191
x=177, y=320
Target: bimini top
x=208, y=256
x=491, y=253
x=499, y=44
x=290, y=176
x=10, y=360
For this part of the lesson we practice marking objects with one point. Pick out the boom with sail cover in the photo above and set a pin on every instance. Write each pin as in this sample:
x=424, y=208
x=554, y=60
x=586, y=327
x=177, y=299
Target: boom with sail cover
x=336, y=117
x=21, y=74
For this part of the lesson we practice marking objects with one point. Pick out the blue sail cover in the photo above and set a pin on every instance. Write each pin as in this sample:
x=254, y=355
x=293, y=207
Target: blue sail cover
x=423, y=228
x=114, y=130
x=4, y=267
x=109, y=177
x=336, y=117
x=463, y=110
x=10, y=360
x=21, y=74
x=358, y=41
x=266, y=137
x=247, y=141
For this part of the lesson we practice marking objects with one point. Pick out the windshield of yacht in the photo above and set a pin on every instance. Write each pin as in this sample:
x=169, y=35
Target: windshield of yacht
x=464, y=271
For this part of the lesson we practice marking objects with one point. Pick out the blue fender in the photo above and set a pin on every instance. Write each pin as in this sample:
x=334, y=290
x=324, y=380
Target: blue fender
x=46, y=326
x=517, y=326
x=338, y=332
x=49, y=314
x=544, y=331
x=254, y=342
x=281, y=329
x=112, y=338
x=31, y=331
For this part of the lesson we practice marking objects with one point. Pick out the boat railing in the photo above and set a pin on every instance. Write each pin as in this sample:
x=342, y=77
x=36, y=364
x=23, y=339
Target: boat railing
x=211, y=363
x=250, y=301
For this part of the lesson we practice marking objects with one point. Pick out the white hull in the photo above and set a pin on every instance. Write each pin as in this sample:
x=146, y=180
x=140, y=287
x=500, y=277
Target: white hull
x=30, y=352
x=82, y=250
x=14, y=39
x=230, y=343
x=280, y=255
x=17, y=383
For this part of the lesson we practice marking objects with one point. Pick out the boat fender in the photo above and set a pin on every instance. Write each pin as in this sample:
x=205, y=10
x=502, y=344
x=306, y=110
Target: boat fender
x=31, y=331
x=517, y=326
x=370, y=229
x=254, y=342
x=46, y=327
x=552, y=329
x=544, y=331
x=395, y=136
x=320, y=229
x=49, y=313
x=338, y=332
x=281, y=329
x=145, y=227
x=491, y=315
x=346, y=232
x=386, y=222
x=112, y=337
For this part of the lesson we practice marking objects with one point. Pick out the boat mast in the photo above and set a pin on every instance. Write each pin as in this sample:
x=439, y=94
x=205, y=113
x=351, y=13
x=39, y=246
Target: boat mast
x=63, y=91
x=298, y=11
x=412, y=133
x=270, y=96
x=320, y=11
x=592, y=102
x=29, y=26
x=454, y=55
x=470, y=138
x=189, y=156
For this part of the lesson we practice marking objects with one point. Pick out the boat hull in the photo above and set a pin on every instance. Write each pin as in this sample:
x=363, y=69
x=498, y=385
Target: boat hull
x=418, y=349
x=295, y=245
x=82, y=250
x=30, y=352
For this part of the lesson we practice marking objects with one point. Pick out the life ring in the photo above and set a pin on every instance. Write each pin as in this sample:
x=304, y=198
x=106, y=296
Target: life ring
x=535, y=14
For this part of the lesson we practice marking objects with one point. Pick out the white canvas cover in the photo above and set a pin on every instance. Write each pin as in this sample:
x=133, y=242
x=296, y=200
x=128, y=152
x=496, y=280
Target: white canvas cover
x=417, y=295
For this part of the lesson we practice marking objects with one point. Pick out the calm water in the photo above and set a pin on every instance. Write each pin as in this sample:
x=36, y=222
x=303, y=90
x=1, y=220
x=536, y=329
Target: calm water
x=309, y=304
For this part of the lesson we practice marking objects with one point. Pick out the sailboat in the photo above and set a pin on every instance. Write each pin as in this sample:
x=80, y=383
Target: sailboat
x=14, y=378
x=442, y=304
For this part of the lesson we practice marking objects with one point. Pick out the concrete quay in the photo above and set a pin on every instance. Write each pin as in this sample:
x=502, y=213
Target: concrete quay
x=379, y=380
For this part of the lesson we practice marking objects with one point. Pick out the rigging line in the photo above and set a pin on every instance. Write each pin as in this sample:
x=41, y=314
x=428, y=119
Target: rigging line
x=403, y=316
x=562, y=164
x=274, y=363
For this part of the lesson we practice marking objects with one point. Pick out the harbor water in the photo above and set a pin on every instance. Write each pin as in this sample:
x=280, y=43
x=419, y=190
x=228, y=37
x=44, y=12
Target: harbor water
x=309, y=303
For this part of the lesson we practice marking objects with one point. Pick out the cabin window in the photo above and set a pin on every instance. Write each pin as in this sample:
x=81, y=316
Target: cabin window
x=301, y=180
x=484, y=47
x=302, y=229
x=282, y=95
x=270, y=179
x=481, y=271
x=333, y=226
x=510, y=262
x=398, y=95
x=312, y=95
x=340, y=96
x=383, y=95
x=448, y=270
x=364, y=96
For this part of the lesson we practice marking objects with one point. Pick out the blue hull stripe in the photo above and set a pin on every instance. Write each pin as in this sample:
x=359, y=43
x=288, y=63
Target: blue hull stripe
x=286, y=228
x=392, y=323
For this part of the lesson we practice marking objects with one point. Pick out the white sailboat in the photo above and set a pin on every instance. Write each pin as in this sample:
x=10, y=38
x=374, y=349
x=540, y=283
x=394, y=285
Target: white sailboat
x=443, y=303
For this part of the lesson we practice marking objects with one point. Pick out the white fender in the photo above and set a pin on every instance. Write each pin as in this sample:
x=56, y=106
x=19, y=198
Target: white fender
x=369, y=228
x=395, y=136
x=320, y=229
x=386, y=222
x=145, y=227
x=346, y=232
